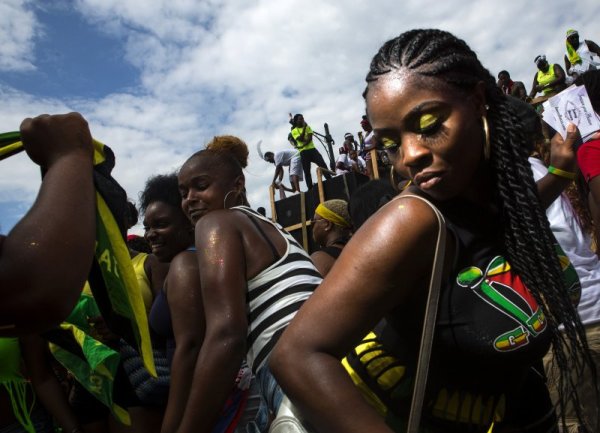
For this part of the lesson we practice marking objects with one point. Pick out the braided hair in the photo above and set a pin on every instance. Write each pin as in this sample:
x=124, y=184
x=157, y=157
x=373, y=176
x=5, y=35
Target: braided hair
x=528, y=241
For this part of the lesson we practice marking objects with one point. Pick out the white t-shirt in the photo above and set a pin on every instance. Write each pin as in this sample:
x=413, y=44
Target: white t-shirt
x=291, y=159
x=576, y=245
x=343, y=158
x=589, y=60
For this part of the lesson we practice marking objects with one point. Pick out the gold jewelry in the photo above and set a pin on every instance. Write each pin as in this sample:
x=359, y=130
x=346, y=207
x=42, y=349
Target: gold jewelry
x=487, y=146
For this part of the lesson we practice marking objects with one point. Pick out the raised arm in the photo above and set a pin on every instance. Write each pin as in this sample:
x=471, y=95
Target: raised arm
x=567, y=65
x=46, y=257
x=378, y=270
x=187, y=315
x=593, y=47
x=534, y=87
x=562, y=157
x=223, y=278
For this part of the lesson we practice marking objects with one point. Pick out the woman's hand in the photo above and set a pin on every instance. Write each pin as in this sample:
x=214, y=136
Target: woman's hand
x=563, y=150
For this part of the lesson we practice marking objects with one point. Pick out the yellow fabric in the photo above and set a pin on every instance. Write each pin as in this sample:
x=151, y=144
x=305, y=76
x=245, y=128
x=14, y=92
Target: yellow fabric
x=144, y=283
x=572, y=54
x=547, y=77
x=461, y=407
x=120, y=265
x=378, y=363
x=296, y=132
x=10, y=148
x=330, y=215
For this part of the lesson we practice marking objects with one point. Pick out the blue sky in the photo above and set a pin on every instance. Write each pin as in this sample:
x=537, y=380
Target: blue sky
x=156, y=79
x=73, y=59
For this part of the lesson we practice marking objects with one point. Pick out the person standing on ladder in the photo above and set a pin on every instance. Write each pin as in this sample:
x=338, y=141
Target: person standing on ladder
x=302, y=135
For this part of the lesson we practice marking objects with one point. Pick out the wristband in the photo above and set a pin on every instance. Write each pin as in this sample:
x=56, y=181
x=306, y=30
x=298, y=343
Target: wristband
x=562, y=173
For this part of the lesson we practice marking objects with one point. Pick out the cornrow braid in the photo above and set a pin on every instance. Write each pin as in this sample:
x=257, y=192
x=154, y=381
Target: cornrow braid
x=528, y=240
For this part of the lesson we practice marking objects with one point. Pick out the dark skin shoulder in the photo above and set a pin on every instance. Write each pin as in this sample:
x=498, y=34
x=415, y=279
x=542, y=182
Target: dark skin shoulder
x=230, y=252
x=399, y=244
x=187, y=315
x=323, y=262
x=156, y=272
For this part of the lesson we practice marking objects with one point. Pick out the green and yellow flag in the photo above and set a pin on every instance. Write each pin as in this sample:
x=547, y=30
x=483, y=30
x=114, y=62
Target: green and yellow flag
x=93, y=364
x=112, y=278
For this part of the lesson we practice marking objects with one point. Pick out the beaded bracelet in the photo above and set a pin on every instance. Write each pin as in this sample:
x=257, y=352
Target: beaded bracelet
x=562, y=173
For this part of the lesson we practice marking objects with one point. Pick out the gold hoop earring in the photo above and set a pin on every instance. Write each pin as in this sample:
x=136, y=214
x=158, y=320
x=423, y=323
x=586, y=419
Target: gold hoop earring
x=225, y=199
x=487, y=145
x=240, y=197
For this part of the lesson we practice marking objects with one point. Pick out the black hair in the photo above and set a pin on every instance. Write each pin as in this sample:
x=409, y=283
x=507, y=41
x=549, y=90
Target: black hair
x=367, y=199
x=132, y=215
x=591, y=81
x=139, y=244
x=163, y=188
x=269, y=153
x=528, y=241
x=503, y=72
x=295, y=119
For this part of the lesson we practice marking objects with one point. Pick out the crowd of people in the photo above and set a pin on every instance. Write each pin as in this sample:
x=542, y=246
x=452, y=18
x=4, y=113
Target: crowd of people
x=245, y=322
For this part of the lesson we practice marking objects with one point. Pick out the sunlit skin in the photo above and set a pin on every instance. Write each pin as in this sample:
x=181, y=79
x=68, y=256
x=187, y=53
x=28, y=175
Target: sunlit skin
x=318, y=231
x=434, y=137
x=230, y=251
x=203, y=188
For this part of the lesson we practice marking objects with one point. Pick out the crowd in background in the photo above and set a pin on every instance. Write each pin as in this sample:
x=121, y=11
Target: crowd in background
x=242, y=319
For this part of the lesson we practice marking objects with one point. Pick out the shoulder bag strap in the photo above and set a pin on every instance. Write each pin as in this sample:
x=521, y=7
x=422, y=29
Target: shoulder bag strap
x=429, y=320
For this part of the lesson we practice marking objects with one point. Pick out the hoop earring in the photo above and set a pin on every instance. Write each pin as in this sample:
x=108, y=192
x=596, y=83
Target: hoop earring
x=241, y=196
x=225, y=199
x=487, y=146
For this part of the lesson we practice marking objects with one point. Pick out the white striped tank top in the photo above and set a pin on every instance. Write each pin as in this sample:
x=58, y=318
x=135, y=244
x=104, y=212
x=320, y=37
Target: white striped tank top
x=275, y=295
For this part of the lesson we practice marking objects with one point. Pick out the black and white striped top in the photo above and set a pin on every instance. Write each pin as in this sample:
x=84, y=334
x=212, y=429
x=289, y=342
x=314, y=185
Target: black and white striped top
x=276, y=294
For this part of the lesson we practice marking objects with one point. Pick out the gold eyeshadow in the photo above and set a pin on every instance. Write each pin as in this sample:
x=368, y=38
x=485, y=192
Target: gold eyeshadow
x=427, y=120
x=387, y=143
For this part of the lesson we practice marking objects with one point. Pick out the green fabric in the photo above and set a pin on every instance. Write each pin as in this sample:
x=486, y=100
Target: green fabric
x=116, y=295
x=10, y=144
x=14, y=383
x=112, y=278
x=92, y=363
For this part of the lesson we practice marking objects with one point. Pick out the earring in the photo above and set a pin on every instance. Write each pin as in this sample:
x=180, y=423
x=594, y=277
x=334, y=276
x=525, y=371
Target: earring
x=487, y=146
x=225, y=199
x=240, y=197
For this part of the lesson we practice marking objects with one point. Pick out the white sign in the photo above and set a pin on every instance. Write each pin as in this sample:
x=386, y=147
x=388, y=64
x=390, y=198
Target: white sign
x=572, y=105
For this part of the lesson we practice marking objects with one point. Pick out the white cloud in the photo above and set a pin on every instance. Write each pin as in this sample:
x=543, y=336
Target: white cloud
x=239, y=67
x=19, y=28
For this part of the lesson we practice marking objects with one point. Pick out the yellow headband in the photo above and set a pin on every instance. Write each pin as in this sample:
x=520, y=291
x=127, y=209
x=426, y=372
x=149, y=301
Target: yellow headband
x=330, y=215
